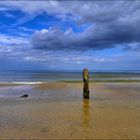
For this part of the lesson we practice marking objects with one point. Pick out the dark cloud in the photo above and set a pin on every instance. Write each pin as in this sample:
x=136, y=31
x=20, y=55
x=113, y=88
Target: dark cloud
x=98, y=36
x=112, y=23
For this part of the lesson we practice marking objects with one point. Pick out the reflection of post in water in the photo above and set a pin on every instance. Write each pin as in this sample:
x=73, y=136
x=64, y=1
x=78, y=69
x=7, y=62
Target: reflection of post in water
x=86, y=84
x=86, y=114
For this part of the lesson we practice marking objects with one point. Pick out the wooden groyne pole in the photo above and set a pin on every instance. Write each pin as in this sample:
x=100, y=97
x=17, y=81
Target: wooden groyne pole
x=86, y=84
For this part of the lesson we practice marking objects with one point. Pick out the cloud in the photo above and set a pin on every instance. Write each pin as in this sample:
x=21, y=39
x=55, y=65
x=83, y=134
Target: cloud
x=7, y=14
x=95, y=11
x=12, y=58
x=96, y=37
x=55, y=39
x=24, y=29
x=111, y=24
x=13, y=41
x=35, y=7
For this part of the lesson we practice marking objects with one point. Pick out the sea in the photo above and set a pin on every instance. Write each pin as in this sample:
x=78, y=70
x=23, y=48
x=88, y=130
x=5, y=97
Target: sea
x=38, y=76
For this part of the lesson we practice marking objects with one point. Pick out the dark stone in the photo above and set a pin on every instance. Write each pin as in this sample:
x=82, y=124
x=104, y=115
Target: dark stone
x=24, y=96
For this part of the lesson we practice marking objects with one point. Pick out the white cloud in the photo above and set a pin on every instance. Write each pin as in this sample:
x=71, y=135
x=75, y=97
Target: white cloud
x=97, y=11
x=25, y=29
x=34, y=58
x=31, y=7
x=4, y=49
x=11, y=40
x=3, y=9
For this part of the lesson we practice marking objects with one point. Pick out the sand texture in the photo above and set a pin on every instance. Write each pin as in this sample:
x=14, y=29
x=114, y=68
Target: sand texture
x=57, y=110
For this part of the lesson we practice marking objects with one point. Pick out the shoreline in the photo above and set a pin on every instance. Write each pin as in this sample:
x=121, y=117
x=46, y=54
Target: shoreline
x=69, y=81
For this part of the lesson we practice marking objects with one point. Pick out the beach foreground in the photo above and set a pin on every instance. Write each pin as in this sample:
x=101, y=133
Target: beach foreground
x=57, y=110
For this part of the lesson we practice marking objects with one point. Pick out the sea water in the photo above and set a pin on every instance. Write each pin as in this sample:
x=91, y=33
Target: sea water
x=36, y=77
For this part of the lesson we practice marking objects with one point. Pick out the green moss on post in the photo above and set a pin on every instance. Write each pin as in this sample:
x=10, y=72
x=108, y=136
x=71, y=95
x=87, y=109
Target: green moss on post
x=86, y=84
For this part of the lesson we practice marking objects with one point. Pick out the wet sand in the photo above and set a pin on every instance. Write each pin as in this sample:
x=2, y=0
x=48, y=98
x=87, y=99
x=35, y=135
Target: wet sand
x=57, y=110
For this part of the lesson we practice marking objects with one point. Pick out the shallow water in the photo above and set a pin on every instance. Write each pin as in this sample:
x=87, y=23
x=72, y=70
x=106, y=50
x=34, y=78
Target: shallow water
x=113, y=112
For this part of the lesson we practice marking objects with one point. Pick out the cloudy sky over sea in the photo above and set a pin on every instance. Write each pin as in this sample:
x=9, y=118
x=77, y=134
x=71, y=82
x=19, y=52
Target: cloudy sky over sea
x=69, y=35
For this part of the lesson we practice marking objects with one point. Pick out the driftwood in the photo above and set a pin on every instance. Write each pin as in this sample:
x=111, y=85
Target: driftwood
x=86, y=84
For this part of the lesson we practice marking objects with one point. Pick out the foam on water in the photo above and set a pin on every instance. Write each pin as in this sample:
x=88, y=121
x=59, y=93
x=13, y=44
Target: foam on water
x=22, y=83
x=26, y=83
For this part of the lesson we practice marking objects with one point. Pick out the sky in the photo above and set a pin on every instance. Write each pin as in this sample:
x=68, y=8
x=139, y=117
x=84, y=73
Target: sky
x=69, y=35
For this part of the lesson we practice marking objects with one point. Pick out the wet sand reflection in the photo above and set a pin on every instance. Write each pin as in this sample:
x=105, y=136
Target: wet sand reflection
x=86, y=116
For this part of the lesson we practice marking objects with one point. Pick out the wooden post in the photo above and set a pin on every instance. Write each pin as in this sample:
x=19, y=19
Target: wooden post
x=86, y=84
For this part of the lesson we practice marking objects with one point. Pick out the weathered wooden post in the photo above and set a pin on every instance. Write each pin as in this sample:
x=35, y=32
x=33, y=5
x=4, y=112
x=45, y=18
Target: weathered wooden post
x=86, y=84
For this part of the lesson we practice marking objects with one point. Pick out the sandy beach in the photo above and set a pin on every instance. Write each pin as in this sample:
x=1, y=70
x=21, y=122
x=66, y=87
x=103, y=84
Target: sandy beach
x=57, y=110
x=69, y=69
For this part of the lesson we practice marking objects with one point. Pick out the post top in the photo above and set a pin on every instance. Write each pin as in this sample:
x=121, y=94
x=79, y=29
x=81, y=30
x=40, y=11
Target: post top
x=85, y=70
